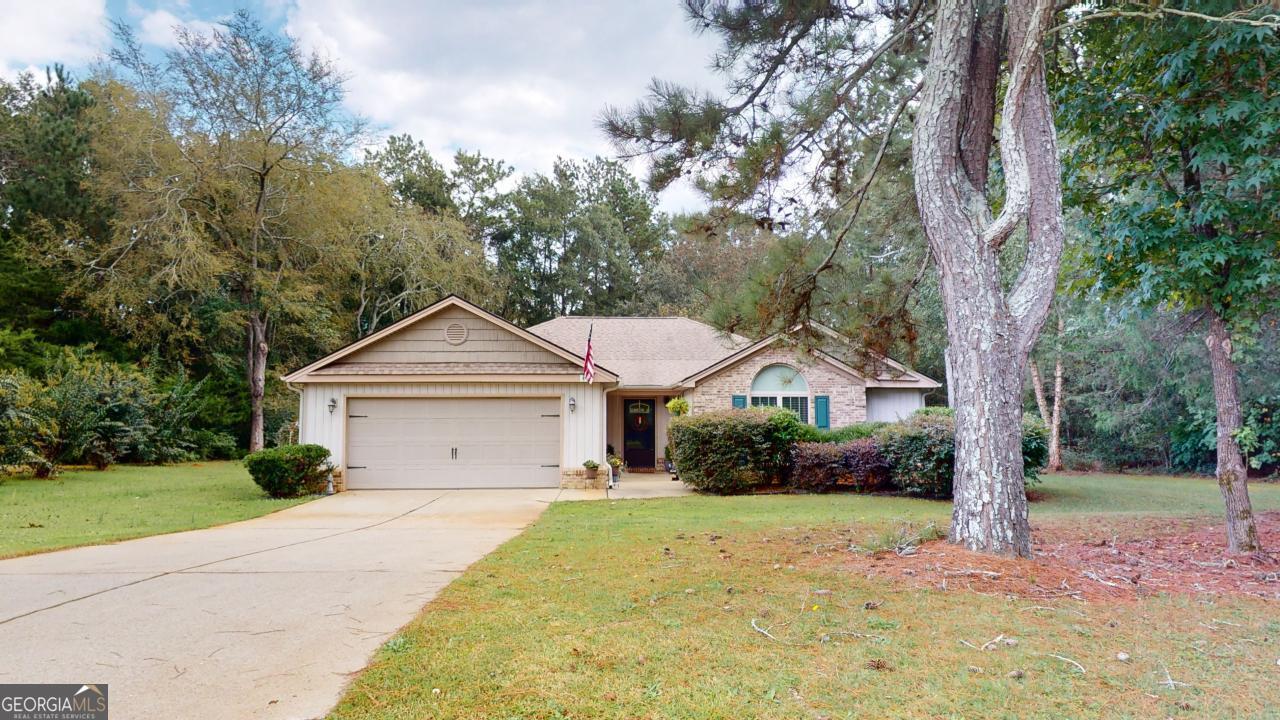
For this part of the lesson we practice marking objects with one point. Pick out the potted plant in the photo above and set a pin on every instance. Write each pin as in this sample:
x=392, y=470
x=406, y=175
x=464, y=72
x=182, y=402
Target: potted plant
x=616, y=463
x=593, y=468
x=678, y=406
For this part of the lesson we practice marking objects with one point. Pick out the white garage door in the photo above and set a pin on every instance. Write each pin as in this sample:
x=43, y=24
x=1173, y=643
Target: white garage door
x=453, y=442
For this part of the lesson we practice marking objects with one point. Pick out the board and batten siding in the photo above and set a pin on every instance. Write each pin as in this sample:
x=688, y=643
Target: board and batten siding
x=424, y=342
x=582, y=431
x=892, y=404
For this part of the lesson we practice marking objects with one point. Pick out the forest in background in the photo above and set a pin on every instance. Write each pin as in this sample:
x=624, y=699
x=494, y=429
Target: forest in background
x=157, y=241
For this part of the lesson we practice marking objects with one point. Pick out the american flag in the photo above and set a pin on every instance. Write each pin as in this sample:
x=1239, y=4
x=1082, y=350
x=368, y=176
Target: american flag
x=588, y=364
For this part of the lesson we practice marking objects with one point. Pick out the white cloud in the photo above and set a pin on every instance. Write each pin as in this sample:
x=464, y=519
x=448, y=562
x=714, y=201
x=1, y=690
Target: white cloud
x=521, y=81
x=160, y=28
x=34, y=35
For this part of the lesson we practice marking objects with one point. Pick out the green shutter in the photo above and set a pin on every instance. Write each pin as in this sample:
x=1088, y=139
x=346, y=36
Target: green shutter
x=822, y=411
x=740, y=401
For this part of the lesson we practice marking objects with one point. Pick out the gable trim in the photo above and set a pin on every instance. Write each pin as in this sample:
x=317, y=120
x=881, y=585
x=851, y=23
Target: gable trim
x=908, y=379
x=300, y=375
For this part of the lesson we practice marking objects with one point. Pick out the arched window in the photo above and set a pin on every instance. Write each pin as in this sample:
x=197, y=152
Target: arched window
x=781, y=385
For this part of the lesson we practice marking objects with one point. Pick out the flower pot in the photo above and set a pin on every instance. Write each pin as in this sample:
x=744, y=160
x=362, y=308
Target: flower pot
x=592, y=473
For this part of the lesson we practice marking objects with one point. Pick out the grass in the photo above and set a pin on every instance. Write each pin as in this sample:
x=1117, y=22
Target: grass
x=86, y=507
x=644, y=609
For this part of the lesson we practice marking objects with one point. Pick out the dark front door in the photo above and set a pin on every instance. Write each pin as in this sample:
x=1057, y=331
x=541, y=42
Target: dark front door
x=637, y=432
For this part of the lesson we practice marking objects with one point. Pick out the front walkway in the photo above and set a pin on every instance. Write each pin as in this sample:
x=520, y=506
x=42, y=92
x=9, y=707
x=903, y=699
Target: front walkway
x=266, y=618
x=640, y=486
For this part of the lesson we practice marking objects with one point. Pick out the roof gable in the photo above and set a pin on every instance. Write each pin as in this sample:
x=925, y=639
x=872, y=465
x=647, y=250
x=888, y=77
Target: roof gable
x=449, y=332
x=901, y=376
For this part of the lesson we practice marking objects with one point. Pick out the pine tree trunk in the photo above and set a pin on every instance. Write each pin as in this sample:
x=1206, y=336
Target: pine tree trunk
x=1242, y=532
x=989, y=513
x=990, y=331
x=256, y=374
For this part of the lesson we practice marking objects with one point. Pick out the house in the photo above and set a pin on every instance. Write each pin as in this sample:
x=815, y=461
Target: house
x=455, y=396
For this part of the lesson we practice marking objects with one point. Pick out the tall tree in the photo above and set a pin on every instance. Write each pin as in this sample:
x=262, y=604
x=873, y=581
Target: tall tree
x=811, y=83
x=583, y=239
x=46, y=159
x=214, y=165
x=1175, y=156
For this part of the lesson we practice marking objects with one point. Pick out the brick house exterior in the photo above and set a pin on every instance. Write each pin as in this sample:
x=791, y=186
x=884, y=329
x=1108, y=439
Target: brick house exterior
x=847, y=391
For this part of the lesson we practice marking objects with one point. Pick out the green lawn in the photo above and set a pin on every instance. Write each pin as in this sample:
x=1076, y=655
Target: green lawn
x=644, y=609
x=85, y=507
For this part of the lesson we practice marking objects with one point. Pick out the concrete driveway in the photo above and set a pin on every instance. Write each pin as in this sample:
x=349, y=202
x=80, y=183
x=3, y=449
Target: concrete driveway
x=266, y=618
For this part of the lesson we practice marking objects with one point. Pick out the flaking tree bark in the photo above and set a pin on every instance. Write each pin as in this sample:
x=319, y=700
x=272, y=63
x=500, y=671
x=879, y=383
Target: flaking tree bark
x=990, y=331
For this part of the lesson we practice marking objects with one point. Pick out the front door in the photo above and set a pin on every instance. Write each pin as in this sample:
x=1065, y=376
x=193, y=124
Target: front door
x=637, y=432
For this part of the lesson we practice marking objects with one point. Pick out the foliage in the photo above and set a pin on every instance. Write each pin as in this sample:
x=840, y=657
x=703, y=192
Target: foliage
x=1194, y=440
x=678, y=406
x=21, y=422
x=580, y=240
x=856, y=465
x=1172, y=159
x=921, y=454
x=732, y=451
x=856, y=431
x=290, y=470
x=591, y=465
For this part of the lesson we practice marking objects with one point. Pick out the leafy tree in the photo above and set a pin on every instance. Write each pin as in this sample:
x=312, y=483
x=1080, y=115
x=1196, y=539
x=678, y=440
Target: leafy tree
x=1175, y=133
x=581, y=240
x=217, y=164
x=46, y=157
x=400, y=256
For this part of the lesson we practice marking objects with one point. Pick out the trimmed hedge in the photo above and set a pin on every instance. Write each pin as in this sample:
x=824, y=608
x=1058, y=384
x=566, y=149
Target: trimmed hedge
x=290, y=470
x=734, y=451
x=856, y=465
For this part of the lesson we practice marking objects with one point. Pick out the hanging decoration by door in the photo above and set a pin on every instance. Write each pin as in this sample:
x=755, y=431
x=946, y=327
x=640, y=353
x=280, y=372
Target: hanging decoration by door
x=638, y=416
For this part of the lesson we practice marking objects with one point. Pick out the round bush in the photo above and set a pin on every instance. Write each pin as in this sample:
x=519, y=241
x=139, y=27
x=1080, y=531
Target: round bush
x=290, y=470
x=734, y=451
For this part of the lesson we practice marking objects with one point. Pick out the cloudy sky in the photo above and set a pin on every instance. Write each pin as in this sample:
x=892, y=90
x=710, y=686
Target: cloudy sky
x=521, y=80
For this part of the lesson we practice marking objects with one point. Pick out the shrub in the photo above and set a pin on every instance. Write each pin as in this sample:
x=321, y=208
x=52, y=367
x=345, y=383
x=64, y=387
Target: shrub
x=1035, y=448
x=214, y=445
x=921, y=451
x=734, y=451
x=857, y=431
x=856, y=465
x=21, y=421
x=921, y=454
x=290, y=470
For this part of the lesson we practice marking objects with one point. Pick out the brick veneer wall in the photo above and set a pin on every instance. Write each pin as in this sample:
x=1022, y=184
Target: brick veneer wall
x=848, y=395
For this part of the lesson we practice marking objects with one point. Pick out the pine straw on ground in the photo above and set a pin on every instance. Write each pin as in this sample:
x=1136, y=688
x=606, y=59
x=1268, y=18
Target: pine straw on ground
x=1134, y=558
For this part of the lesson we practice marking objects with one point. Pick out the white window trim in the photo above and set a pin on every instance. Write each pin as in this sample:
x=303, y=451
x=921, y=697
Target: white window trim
x=778, y=402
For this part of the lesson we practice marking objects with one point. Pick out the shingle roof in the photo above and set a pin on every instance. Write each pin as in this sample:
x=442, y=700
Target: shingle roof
x=644, y=351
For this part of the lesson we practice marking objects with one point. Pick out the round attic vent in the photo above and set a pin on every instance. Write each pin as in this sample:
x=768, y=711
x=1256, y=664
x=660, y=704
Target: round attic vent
x=455, y=334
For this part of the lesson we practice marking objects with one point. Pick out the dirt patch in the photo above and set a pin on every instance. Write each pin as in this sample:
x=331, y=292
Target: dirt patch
x=1097, y=559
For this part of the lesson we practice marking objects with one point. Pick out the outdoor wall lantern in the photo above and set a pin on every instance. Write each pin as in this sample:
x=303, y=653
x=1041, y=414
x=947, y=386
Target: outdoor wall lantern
x=573, y=405
x=333, y=405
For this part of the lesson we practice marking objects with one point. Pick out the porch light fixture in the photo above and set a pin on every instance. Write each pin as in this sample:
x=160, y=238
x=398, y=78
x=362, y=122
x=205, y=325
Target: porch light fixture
x=573, y=405
x=333, y=405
